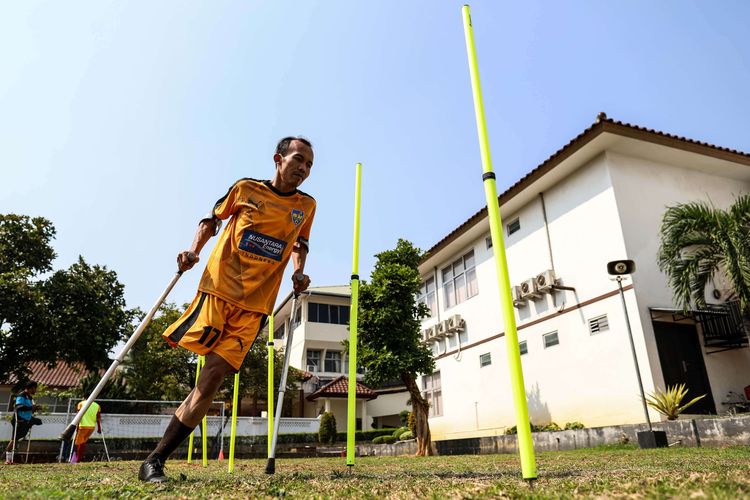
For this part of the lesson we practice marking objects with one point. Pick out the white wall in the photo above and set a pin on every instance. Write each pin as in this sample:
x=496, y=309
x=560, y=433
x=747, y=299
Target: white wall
x=644, y=189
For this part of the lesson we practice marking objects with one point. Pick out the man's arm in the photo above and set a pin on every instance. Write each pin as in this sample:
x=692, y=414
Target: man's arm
x=188, y=258
x=299, y=256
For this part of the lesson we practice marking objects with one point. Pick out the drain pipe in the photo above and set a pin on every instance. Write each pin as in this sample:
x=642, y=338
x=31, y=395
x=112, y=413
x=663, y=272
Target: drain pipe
x=546, y=230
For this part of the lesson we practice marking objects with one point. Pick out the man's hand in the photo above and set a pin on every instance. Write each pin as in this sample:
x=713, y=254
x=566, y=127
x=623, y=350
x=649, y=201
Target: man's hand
x=35, y=408
x=186, y=260
x=300, y=282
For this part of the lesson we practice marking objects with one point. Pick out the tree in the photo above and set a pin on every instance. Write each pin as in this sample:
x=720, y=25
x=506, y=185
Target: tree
x=700, y=242
x=155, y=370
x=86, y=305
x=75, y=315
x=389, y=343
x=25, y=254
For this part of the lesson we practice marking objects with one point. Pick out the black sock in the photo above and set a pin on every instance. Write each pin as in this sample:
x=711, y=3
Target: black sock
x=173, y=437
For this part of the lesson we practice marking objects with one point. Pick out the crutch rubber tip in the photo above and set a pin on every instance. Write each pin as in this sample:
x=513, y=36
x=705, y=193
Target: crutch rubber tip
x=271, y=466
x=67, y=434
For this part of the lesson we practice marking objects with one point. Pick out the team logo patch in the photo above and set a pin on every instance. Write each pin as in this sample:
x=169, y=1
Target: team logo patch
x=297, y=216
x=262, y=245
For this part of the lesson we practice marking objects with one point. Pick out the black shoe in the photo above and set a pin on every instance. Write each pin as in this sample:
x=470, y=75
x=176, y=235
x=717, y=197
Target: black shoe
x=152, y=471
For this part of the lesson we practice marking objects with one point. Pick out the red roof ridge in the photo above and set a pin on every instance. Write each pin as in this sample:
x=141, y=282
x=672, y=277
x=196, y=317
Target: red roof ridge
x=339, y=387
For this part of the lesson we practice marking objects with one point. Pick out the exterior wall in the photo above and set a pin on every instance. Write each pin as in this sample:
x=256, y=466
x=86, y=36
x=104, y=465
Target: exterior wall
x=586, y=378
x=386, y=406
x=654, y=186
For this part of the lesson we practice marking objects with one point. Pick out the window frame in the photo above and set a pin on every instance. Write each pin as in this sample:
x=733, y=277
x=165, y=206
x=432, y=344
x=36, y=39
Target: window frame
x=466, y=275
x=549, y=335
x=485, y=359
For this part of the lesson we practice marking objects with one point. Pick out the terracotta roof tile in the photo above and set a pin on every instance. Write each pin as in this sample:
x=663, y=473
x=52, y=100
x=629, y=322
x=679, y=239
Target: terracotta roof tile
x=339, y=388
x=60, y=375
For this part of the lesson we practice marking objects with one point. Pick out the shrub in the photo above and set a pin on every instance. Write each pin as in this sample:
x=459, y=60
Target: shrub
x=404, y=417
x=406, y=435
x=574, y=425
x=551, y=427
x=360, y=436
x=397, y=433
x=327, y=431
x=668, y=402
x=384, y=440
x=412, y=421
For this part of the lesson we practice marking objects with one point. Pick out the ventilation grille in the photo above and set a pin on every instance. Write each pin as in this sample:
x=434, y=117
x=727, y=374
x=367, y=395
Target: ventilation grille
x=598, y=324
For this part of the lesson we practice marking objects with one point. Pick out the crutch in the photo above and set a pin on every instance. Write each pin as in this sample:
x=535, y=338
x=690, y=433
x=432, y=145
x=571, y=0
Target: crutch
x=271, y=465
x=68, y=432
x=28, y=444
x=104, y=442
x=15, y=433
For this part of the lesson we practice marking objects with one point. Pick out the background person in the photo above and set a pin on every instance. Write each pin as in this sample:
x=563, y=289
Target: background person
x=268, y=223
x=23, y=418
x=90, y=420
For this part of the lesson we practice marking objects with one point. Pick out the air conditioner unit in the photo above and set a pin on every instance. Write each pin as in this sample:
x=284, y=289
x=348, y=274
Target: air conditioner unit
x=428, y=333
x=518, y=300
x=312, y=368
x=441, y=329
x=529, y=290
x=545, y=281
x=456, y=323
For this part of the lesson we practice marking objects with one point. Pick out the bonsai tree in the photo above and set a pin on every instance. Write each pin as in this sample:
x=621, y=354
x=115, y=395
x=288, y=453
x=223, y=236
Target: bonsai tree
x=390, y=346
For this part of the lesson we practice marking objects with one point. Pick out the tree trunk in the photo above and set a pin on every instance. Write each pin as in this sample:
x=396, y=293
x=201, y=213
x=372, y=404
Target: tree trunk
x=421, y=410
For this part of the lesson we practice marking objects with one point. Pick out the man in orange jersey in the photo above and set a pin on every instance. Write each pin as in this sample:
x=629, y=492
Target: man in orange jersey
x=268, y=222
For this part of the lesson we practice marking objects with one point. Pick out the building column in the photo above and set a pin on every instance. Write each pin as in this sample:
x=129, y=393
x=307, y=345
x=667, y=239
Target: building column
x=327, y=404
x=365, y=423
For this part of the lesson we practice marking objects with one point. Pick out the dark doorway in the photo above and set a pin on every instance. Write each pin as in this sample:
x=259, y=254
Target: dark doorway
x=682, y=362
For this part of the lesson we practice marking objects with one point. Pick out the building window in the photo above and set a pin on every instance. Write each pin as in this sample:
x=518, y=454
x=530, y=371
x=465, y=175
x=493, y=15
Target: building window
x=333, y=362
x=460, y=280
x=598, y=324
x=432, y=392
x=327, y=313
x=279, y=332
x=427, y=296
x=360, y=370
x=488, y=242
x=550, y=339
x=485, y=359
x=296, y=318
x=523, y=347
x=513, y=226
x=313, y=360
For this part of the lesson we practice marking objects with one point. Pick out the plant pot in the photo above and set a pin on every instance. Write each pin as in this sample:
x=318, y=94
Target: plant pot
x=652, y=439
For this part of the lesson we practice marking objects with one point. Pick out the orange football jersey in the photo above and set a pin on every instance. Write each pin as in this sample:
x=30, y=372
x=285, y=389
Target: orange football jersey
x=246, y=265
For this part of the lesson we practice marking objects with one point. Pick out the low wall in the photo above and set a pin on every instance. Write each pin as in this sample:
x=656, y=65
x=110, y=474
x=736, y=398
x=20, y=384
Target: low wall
x=712, y=432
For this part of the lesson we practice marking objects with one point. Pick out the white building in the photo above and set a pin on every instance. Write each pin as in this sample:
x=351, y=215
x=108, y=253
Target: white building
x=317, y=348
x=598, y=199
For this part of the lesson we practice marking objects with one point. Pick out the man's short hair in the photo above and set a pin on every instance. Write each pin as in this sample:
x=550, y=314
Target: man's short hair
x=30, y=385
x=283, y=146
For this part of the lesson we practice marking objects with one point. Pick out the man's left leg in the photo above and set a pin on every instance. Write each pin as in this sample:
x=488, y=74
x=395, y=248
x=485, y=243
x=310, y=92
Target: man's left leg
x=187, y=416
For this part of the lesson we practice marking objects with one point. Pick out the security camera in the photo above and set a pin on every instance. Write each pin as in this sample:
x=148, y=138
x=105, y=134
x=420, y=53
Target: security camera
x=620, y=267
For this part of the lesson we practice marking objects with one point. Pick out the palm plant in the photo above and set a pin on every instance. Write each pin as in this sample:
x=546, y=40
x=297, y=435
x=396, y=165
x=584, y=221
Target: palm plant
x=668, y=402
x=699, y=242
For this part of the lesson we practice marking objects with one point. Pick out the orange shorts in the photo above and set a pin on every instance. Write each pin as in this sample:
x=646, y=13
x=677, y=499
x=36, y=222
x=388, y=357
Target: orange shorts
x=83, y=434
x=213, y=325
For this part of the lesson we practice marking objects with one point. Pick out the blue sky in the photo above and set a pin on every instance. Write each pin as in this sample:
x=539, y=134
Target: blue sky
x=122, y=122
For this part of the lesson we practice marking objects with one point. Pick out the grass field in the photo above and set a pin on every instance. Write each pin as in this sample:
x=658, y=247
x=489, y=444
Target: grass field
x=603, y=472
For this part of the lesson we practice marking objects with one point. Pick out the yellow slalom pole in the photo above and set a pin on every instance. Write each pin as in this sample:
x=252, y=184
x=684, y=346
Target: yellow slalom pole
x=233, y=434
x=352, y=393
x=271, y=354
x=525, y=445
x=204, y=427
x=192, y=434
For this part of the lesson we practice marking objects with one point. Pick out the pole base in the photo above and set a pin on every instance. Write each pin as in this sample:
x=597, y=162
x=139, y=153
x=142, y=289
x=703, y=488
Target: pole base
x=271, y=466
x=67, y=434
x=652, y=439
